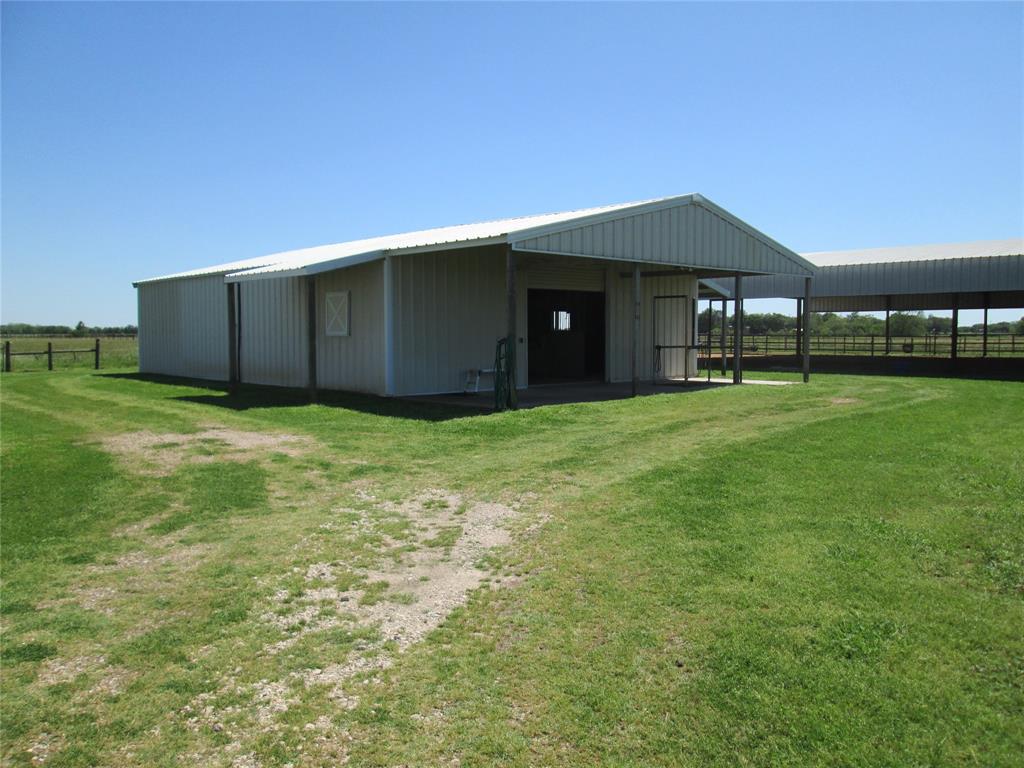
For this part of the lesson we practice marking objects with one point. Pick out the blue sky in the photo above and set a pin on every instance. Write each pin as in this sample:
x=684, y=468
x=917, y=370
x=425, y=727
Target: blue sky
x=145, y=138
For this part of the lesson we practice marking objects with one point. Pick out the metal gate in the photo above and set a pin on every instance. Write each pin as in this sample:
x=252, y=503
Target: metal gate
x=671, y=342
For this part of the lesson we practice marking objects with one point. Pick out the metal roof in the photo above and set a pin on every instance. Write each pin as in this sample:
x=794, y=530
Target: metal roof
x=368, y=249
x=907, y=277
x=972, y=250
x=736, y=244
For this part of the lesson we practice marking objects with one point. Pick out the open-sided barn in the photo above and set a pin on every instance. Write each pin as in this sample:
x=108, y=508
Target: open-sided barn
x=605, y=294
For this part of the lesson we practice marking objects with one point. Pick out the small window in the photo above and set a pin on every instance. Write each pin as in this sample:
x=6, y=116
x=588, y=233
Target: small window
x=337, y=315
x=561, y=320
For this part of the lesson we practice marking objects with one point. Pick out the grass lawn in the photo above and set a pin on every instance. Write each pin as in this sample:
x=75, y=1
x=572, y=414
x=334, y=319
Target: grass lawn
x=829, y=574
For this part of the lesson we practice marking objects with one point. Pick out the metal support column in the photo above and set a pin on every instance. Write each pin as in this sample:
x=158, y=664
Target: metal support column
x=725, y=320
x=311, y=336
x=511, y=331
x=888, y=336
x=737, y=332
x=232, y=338
x=807, y=329
x=984, y=328
x=634, y=341
x=955, y=334
x=799, y=326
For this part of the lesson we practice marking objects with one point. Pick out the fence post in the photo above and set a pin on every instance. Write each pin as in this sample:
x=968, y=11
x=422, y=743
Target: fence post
x=97, y=354
x=872, y=345
x=49, y=355
x=7, y=356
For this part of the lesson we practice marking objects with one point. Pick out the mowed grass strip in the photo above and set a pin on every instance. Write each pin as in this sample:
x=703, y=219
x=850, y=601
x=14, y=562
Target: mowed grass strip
x=824, y=574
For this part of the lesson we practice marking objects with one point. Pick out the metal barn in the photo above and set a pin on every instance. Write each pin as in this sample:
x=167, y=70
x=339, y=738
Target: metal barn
x=603, y=294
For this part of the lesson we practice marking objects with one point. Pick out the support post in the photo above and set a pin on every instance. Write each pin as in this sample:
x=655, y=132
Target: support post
x=954, y=338
x=799, y=326
x=711, y=325
x=737, y=332
x=722, y=332
x=634, y=341
x=7, y=356
x=888, y=336
x=512, y=331
x=49, y=355
x=807, y=329
x=97, y=356
x=692, y=343
x=311, y=336
x=984, y=328
x=232, y=339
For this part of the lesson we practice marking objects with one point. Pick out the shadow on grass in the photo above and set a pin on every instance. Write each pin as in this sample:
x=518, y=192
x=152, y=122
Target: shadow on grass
x=248, y=396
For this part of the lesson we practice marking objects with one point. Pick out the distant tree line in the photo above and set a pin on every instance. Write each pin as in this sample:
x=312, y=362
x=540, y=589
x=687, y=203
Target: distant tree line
x=81, y=329
x=856, y=324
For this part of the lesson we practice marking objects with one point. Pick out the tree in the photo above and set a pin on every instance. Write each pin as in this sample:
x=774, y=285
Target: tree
x=907, y=324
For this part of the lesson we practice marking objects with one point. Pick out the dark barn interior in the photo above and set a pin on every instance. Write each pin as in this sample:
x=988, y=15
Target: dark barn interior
x=566, y=336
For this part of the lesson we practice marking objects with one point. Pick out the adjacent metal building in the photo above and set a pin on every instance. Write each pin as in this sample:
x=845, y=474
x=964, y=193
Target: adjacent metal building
x=604, y=293
x=975, y=275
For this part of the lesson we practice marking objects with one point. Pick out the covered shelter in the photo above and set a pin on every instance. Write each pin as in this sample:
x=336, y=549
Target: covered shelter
x=603, y=294
x=987, y=274
x=951, y=276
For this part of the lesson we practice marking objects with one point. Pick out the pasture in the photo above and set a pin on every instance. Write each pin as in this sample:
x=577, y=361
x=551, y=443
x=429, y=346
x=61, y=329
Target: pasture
x=822, y=574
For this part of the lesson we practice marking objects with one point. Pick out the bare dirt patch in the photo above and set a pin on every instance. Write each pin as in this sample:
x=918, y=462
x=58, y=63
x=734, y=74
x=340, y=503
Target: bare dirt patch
x=160, y=454
x=158, y=566
x=417, y=582
x=428, y=554
x=44, y=747
x=55, y=671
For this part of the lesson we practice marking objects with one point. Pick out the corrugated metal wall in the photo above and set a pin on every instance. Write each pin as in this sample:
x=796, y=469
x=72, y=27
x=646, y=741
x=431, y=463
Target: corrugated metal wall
x=272, y=347
x=355, y=362
x=672, y=314
x=449, y=312
x=562, y=272
x=183, y=328
x=689, y=235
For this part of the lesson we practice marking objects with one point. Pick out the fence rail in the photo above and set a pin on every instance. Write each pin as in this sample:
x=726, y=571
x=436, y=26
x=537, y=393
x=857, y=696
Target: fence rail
x=968, y=345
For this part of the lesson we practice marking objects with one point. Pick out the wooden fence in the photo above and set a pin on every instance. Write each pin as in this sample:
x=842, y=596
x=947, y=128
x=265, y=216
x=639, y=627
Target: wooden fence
x=50, y=352
x=968, y=345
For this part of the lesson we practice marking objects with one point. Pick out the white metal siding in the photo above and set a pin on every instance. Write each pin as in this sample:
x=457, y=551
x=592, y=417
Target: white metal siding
x=449, y=313
x=565, y=274
x=183, y=328
x=354, y=362
x=689, y=234
x=273, y=344
x=619, y=305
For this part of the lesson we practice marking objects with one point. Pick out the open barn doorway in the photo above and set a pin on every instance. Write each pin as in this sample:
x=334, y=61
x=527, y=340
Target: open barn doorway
x=566, y=336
